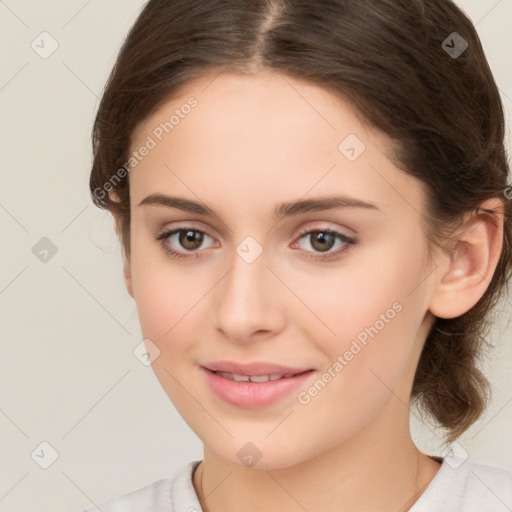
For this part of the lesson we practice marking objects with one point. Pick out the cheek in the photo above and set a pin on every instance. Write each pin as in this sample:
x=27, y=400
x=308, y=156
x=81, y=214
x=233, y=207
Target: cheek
x=366, y=367
x=367, y=320
x=372, y=295
x=164, y=291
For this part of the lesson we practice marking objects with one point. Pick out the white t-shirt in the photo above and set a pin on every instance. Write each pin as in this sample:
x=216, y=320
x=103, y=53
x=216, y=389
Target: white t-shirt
x=459, y=486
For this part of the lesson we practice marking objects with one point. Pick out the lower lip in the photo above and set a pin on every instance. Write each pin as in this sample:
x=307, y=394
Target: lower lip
x=253, y=395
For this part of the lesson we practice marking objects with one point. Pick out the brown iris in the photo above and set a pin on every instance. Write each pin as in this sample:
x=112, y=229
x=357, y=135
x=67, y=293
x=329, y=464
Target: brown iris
x=324, y=239
x=191, y=237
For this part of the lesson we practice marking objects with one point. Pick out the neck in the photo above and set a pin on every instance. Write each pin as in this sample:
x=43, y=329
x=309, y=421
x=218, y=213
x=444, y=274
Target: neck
x=380, y=468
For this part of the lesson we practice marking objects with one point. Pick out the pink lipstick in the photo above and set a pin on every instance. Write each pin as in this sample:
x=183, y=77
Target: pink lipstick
x=253, y=385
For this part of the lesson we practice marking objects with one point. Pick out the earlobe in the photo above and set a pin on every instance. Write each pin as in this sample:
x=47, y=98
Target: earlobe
x=128, y=277
x=467, y=273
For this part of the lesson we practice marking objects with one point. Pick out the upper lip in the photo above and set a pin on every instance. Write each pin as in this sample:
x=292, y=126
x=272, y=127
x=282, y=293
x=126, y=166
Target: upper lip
x=252, y=369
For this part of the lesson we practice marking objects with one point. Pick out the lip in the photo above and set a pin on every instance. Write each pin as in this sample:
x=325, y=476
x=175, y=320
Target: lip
x=254, y=395
x=251, y=369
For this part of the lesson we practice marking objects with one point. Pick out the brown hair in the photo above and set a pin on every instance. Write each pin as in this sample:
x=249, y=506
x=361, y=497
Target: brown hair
x=392, y=60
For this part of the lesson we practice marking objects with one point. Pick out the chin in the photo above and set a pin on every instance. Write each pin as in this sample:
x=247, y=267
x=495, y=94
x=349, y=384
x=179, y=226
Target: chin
x=264, y=455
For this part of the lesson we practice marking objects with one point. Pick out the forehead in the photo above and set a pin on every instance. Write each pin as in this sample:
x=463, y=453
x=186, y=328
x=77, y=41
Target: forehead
x=224, y=98
x=263, y=131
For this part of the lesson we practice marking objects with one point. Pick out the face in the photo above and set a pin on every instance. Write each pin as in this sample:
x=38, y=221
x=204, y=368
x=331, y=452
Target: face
x=336, y=295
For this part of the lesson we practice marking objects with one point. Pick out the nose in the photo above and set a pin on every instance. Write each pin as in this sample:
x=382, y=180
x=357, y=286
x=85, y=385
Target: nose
x=247, y=301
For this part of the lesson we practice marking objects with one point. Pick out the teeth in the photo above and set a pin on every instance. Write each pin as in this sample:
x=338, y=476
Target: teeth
x=239, y=378
x=253, y=378
x=260, y=378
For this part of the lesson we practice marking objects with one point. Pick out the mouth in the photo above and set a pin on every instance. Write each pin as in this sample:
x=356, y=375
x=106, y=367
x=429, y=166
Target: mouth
x=252, y=388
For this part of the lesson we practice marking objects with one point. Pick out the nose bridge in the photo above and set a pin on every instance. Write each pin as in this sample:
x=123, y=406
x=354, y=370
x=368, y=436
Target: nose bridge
x=246, y=299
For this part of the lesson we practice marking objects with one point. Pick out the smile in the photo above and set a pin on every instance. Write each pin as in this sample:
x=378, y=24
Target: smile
x=254, y=391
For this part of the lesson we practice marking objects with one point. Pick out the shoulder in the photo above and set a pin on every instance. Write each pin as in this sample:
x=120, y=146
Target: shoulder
x=467, y=486
x=160, y=495
x=154, y=495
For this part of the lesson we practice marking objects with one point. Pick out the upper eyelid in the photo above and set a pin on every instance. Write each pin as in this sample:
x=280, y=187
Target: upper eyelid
x=318, y=225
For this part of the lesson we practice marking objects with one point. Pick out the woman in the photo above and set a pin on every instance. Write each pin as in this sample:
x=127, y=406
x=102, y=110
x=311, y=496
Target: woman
x=313, y=204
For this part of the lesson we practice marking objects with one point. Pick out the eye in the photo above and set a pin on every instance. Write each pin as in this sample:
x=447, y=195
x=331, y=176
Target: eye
x=323, y=240
x=189, y=238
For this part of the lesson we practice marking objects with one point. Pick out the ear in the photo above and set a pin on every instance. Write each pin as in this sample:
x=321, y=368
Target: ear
x=467, y=268
x=127, y=272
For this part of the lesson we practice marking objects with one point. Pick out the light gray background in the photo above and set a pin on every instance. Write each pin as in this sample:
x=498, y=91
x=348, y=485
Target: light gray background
x=68, y=375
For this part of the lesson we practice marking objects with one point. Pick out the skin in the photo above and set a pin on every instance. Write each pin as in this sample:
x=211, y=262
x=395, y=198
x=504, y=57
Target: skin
x=249, y=144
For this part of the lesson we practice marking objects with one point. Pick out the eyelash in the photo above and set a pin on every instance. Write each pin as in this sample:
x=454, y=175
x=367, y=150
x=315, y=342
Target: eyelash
x=348, y=241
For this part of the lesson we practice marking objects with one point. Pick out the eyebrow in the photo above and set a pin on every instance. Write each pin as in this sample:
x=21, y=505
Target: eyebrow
x=286, y=209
